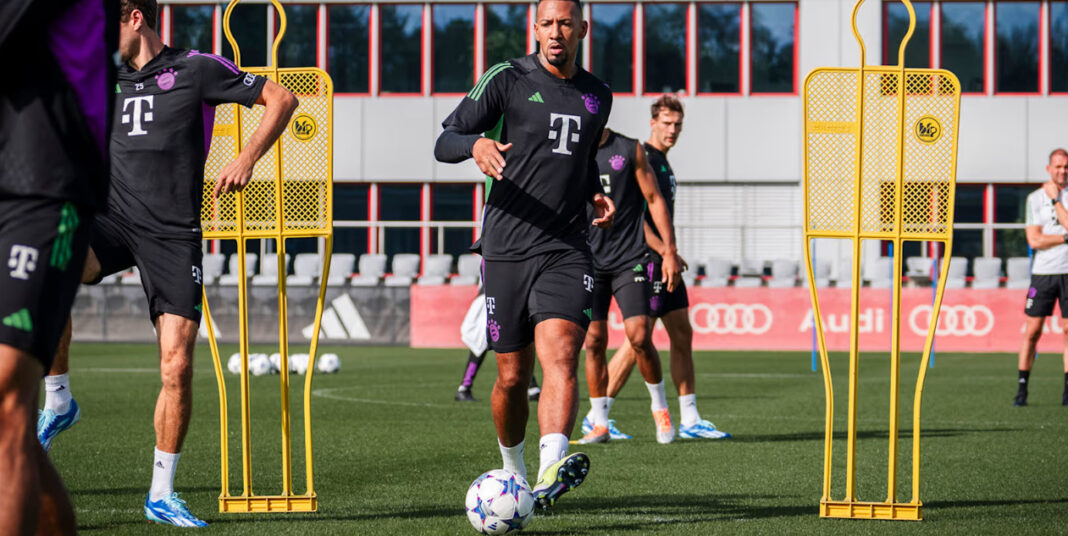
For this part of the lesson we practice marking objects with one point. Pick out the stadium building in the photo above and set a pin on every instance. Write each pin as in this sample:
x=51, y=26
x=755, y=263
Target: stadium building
x=400, y=67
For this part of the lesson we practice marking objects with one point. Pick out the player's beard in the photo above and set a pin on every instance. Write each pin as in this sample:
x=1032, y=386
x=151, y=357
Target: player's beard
x=560, y=60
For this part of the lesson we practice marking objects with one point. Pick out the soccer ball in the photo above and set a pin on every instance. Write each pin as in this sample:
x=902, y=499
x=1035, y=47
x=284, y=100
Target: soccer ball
x=276, y=363
x=298, y=363
x=234, y=364
x=499, y=502
x=328, y=363
x=259, y=364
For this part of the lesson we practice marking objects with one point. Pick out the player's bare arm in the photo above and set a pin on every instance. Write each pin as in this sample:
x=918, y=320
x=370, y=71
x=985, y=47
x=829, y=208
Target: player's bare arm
x=1038, y=240
x=656, y=244
x=280, y=104
x=672, y=267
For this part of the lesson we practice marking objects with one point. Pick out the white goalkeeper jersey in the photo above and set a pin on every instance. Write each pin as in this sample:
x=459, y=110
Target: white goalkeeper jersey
x=1040, y=211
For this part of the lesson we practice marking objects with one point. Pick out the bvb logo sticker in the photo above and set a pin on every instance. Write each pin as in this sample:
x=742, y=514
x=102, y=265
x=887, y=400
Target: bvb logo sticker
x=928, y=129
x=304, y=127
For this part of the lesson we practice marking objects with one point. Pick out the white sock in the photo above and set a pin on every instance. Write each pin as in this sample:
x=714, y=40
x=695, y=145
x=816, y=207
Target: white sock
x=57, y=393
x=513, y=458
x=553, y=449
x=163, y=475
x=599, y=411
x=688, y=408
x=608, y=403
x=656, y=392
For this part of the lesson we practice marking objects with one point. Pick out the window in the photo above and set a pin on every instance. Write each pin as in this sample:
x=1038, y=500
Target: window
x=1016, y=27
x=401, y=48
x=613, y=45
x=454, y=203
x=348, y=47
x=718, y=46
x=454, y=47
x=968, y=206
x=963, y=26
x=192, y=27
x=1010, y=207
x=771, y=39
x=400, y=202
x=350, y=202
x=506, y=32
x=665, y=47
x=1058, y=47
x=918, y=52
x=300, y=43
x=350, y=240
x=248, y=23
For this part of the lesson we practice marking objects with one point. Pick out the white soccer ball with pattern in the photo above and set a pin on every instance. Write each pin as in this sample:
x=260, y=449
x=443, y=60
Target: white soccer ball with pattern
x=259, y=364
x=499, y=502
x=234, y=364
x=276, y=363
x=328, y=363
x=298, y=363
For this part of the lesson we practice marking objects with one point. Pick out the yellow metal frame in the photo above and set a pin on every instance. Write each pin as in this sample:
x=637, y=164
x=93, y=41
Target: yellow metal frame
x=299, y=208
x=860, y=144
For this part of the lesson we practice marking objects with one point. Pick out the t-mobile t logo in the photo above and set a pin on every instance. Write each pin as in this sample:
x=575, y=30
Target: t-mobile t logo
x=587, y=281
x=23, y=261
x=564, y=133
x=491, y=304
x=137, y=114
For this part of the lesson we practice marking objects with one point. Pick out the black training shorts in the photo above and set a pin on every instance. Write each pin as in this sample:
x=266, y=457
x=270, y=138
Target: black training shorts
x=171, y=268
x=663, y=302
x=1046, y=290
x=522, y=293
x=43, y=243
x=630, y=287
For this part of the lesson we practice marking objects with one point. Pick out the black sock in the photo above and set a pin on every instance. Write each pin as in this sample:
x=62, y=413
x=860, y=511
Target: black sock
x=1024, y=376
x=1066, y=382
x=534, y=380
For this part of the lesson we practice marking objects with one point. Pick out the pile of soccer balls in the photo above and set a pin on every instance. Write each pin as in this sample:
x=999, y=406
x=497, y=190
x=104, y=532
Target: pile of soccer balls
x=263, y=364
x=499, y=502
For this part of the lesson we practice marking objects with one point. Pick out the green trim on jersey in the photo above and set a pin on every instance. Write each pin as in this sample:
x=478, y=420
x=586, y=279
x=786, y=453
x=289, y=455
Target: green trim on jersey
x=62, y=248
x=495, y=135
x=480, y=88
x=19, y=320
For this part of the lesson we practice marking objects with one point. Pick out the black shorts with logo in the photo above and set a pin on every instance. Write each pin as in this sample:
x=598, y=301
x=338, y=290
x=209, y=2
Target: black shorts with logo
x=171, y=268
x=630, y=287
x=1046, y=290
x=522, y=293
x=663, y=302
x=43, y=243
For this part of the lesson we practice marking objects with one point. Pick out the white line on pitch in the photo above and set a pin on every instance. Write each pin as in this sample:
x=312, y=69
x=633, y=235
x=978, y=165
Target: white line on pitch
x=328, y=393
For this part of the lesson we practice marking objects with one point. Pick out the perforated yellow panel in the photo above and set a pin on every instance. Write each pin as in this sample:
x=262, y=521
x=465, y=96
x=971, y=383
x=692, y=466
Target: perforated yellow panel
x=305, y=167
x=927, y=160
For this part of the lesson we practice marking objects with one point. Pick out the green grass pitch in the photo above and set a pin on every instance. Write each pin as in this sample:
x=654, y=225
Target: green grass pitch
x=394, y=453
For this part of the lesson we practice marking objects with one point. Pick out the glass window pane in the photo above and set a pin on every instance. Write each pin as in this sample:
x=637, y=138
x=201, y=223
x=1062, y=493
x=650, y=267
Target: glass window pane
x=772, y=47
x=401, y=38
x=1010, y=243
x=301, y=41
x=453, y=202
x=399, y=240
x=348, y=47
x=192, y=27
x=248, y=23
x=613, y=45
x=400, y=202
x=350, y=240
x=918, y=53
x=963, y=25
x=665, y=48
x=506, y=32
x=968, y=243
x=718, y=46
x=454, y=47
x=1010, y=202
x=968, y=207
x=350, y=201
x=458, y=242
x=1058, y=46
x=1017, y=46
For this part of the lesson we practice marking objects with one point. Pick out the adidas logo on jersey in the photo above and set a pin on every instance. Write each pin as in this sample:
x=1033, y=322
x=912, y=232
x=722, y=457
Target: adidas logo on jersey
x=536, y=97
x=19, y=320
x=340, y=321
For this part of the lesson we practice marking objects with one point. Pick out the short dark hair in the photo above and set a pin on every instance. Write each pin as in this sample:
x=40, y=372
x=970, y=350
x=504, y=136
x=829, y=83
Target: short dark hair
x=667, y=102
x=148, y=9
x=1057, y=151
x=576, y=2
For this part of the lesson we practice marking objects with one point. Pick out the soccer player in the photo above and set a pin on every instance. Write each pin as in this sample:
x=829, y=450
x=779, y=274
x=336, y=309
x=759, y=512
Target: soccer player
x=543, y=116
x=621, y=267
x=1047, y=221
x=670, y=306
x=164, y=103
x=54, y=120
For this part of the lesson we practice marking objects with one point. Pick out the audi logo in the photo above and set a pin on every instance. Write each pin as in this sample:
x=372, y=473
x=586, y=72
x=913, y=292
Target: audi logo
x=731, y=318
x=956, y=320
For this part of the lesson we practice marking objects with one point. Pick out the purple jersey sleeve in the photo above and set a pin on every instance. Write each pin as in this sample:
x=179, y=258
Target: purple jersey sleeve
x=222, y=81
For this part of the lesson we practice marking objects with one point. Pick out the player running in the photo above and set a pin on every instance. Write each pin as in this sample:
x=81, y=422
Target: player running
x=543, y=117
x=54, y=120
x=164, y=102
x=670, y=306
x=621, y=267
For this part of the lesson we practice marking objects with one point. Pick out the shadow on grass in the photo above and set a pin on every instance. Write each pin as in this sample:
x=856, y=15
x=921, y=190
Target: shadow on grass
x=991, y=502
x=864, y=434
x=140, y=490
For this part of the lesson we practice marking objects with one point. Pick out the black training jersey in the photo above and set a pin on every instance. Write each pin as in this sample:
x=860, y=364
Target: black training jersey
x=622, y=245
x=164, y=115
x=665, y=180
x=55, y=98
x=555, y=125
